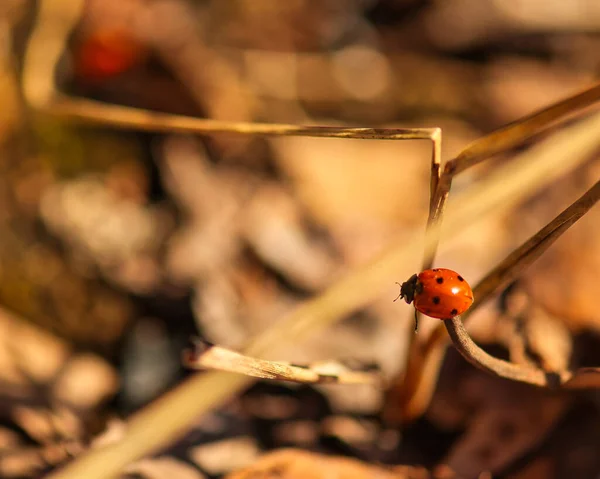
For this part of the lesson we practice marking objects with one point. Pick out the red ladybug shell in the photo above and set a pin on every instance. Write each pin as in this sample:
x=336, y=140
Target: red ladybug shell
x=105, y=53
x=440, y=293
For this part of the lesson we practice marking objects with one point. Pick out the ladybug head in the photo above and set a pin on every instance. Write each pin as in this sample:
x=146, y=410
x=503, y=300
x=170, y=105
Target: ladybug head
x=409, y=288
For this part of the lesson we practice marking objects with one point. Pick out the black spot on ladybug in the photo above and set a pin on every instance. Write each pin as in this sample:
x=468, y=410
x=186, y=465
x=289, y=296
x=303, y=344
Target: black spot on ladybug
x=435, y=270
x=454, y=312
x=436, y=300
x=439, y=280
x=460, y=278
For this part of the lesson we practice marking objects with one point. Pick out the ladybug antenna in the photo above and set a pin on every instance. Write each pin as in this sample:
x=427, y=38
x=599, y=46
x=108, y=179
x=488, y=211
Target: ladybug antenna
x=399, y=295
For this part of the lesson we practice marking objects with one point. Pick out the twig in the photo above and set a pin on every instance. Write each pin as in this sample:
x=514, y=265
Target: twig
x=115, y=116
x=584, y=378
x=482, y=360
x=204, y=355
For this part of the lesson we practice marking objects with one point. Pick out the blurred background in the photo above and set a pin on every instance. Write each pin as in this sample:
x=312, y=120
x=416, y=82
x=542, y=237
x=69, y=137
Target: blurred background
x=117, y=245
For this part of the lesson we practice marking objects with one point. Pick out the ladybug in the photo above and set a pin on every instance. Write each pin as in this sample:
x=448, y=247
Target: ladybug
x=105, y=53
x=439, y=293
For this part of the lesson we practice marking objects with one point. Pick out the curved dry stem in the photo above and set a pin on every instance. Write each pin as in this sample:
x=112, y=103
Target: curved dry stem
x=415, y=390
x=583, y=378
x=504, y=369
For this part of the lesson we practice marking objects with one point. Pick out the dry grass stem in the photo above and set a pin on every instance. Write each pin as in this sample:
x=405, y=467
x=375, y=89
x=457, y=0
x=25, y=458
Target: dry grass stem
x=585, y=378
x=98, y=113
x=522, y=129
x=204, y=355
x=482, y=360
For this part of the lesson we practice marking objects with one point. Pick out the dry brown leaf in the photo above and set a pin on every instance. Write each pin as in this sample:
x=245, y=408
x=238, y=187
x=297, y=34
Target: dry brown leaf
x=274, y=228
x=540, y=468
x=85, y=382
x=162, y=468
x=37, y=423
x=383, y=185
x=22, y=463
x=300, y=433
x=504, y=421
x=32, y=461
x=42, y=358
x=39, y=355
x=9, y=439
x=271, y=407
x=350, y=430
x=212, y=201
x=549, y=339
x=296, y=464
x=224, y=456
x=105, y=229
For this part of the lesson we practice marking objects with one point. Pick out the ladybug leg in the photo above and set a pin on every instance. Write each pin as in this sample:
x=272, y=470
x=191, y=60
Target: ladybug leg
x=416, y=320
